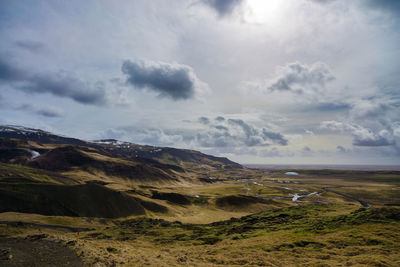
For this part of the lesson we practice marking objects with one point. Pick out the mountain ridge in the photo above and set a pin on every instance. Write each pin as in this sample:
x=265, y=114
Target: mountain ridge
x=166, y=155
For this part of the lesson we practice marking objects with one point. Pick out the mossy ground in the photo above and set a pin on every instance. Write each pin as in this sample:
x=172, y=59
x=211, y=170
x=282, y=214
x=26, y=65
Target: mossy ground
x=309, y=235
x=329, y=230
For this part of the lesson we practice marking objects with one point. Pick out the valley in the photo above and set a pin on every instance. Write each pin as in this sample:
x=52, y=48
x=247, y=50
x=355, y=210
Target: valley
x=112, y=203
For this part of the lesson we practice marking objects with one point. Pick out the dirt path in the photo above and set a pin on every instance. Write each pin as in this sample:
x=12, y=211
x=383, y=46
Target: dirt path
x=36, y=252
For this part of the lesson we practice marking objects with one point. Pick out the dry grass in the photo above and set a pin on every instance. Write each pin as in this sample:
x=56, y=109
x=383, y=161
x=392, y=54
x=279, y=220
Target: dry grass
x=289, y=243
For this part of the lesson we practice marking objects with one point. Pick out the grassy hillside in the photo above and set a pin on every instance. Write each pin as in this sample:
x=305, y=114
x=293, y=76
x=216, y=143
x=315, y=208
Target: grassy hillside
x=310, y=235
x=172, y=156
x=145, y=206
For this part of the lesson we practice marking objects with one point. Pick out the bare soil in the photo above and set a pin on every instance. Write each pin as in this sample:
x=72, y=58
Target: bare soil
x=36, y=251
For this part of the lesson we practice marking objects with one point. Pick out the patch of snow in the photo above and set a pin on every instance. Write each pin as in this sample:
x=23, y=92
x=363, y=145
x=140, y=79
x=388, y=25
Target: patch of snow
x=7, y=130
x=34, y=154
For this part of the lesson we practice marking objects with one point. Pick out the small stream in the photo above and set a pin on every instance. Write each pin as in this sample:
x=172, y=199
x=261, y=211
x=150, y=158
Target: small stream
x=363, y=203
x=295, y=197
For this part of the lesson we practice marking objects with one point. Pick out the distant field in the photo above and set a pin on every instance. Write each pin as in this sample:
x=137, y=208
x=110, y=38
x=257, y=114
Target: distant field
x=144, y=213
x=324, y=166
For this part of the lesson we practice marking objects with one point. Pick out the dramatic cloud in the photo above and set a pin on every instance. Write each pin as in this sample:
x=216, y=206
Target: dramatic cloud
x=2, y=104
x=171, y=80
x=299, y=86
x=322, y=1
x=234, y=133
x=282, y=67
x=152, y=136
x=61, y=84
x=362, y=136
x=219, y=119
x=331, y=106
x=31, y=46
x=371, y=123
x=204, y=120
x=9, y=73
x=223, y=7
x=50, y=112
x=237, y=133
x=389, y=5
x=65, y=85
x=256, y=136
x=302, y=78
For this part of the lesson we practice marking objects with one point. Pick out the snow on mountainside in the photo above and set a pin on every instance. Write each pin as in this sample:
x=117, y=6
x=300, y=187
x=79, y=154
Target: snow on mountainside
x=37, y=135
x=167, y=155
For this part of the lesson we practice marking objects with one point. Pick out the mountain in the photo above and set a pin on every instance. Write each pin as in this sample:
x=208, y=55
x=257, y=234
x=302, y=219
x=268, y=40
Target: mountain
x=168, y=155
x=180, y=157
x=49, y=174
x=37, y=135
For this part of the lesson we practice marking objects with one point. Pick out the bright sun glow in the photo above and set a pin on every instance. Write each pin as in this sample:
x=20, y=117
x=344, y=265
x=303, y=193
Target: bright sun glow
x=264, y=11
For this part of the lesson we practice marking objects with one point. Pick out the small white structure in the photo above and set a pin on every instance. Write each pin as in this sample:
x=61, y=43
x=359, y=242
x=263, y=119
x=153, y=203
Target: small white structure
x=291, y=173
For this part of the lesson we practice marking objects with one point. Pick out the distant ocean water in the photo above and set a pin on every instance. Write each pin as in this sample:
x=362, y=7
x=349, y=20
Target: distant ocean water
x=323, y=166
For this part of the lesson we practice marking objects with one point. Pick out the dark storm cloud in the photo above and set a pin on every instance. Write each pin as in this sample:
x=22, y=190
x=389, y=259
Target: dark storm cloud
x=220, y=127
x=149, y=136
x=277, y=137
x=372, y=122
x=332, y=106
x=2, y=104
x=223, y=7
x=255, y=136
x=220, y=119
x=10, y=73
x=49, y=113
x=46, y=112
x=231, y=133
x=375, y=141
x=65, y=85
x=61, y=84
x=322, y=1
x=32, y=46
x=300, y=78
x=170, y=80
x=388, y=5
x=204, y=120
x=362, y=136
x=237, y=133
x=392, y=6
x=250, y=135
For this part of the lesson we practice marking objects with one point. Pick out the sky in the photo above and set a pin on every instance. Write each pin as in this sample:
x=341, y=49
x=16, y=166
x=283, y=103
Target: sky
x=263, y=82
